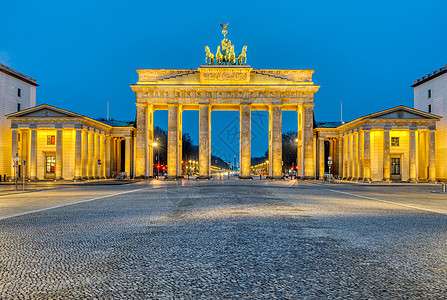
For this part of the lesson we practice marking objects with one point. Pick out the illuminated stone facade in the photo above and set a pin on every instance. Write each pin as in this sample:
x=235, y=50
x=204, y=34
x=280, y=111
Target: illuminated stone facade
x=17, y=92
x=394, y=144
x=430, y=95
x=62, y=145
x=237, y=88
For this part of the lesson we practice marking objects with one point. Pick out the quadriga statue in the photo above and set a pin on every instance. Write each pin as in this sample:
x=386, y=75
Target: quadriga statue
x=242, y=56
x=209, y=56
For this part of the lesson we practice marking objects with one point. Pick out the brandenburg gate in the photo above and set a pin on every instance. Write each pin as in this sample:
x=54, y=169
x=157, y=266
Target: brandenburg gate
x=228, y=85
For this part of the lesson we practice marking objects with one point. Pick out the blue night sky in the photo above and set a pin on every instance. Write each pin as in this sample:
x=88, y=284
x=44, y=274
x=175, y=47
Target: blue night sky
x=84, y=53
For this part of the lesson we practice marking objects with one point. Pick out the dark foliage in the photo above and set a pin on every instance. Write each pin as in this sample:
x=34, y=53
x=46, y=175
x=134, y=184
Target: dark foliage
x=189, y=150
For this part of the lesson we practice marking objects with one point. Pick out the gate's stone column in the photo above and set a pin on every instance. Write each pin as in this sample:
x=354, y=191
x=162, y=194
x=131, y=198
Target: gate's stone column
x=412, y=155
x=33, y=155
x=245, y=140
x=275, y=141
x=173, y=141
x=180, y=142
x=59, y=153
x=141, y=141
x=204, y=141
x=78, y=155
x=431, y=156
x=150, y=139
x=300, y=144
x=308, y=142
x=386, y=155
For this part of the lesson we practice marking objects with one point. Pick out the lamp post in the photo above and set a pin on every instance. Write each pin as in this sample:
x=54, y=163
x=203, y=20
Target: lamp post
x=16, y=169
x=158, y=157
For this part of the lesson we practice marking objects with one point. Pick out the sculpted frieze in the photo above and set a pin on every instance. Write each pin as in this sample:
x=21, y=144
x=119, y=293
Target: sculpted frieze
x=168, y=94
x=265, y=95
x=225, y=76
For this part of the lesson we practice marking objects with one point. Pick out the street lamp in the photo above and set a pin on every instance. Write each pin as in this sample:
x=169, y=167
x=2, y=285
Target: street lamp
x=16, y=159
x=154, y=144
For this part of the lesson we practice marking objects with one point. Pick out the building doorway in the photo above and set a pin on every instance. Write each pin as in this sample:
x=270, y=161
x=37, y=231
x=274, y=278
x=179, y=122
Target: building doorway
x=50, y=165
x=395, y=168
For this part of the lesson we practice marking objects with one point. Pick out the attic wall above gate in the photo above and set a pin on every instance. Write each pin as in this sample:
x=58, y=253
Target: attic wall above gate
x=225, y=87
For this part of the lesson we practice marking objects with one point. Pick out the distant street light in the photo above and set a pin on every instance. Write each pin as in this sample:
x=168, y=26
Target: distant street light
x=154, y=144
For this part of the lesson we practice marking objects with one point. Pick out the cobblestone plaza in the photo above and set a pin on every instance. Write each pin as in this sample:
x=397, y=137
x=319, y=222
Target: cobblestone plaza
x=225, y=240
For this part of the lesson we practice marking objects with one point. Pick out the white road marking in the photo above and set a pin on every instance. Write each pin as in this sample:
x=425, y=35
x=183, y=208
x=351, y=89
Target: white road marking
x=388, y=202
x=67, y=204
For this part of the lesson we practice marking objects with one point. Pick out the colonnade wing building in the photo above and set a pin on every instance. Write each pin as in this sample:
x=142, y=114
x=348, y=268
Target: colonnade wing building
x=238, y=88
x=393, y=144
x=63, y=145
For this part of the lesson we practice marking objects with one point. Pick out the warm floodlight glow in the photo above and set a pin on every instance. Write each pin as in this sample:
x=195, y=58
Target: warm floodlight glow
x=154, y=144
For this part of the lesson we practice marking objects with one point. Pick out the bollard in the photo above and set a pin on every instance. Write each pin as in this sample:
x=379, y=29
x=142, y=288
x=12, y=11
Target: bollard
x=444, y=186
